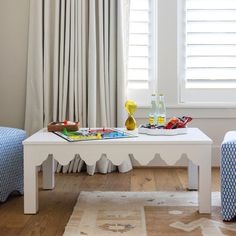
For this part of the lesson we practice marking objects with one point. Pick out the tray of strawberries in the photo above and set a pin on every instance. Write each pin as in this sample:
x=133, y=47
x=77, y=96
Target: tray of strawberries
x=175, y=126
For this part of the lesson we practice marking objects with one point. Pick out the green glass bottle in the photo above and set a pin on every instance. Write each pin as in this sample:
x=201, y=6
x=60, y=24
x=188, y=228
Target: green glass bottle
x=153, y=113
x=161, y=111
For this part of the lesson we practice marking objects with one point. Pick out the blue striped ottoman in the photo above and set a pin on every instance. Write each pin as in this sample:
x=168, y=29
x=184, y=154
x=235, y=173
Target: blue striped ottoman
x=11, y=161
x=228, y=176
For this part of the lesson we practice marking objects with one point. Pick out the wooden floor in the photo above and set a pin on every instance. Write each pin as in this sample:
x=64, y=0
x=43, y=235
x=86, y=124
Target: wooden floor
x=56, y=206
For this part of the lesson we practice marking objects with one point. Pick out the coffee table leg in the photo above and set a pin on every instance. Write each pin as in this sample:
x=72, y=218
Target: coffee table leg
x=192, y=176
x=30, y=185
x=48, y=173
x=204, y=194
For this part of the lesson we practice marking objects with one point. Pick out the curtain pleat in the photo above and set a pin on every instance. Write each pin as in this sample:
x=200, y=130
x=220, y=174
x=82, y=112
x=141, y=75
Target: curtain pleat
x=61, y=59
x=112, y=37
x=76, y=63
x=34, y=117
x=101, y=76
x=72, y=78
x=92, y=66
x=120, y=54
x=56, y=60
x=47, y=82
x=106, y=66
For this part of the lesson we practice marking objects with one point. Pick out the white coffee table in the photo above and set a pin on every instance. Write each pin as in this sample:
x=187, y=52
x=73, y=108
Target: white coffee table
x=44, y=147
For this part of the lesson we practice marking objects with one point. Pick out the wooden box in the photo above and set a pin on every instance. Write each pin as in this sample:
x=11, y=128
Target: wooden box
x=60, y=126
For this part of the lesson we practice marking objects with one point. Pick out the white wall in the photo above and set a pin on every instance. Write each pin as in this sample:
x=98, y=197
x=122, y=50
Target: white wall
x=13, y=60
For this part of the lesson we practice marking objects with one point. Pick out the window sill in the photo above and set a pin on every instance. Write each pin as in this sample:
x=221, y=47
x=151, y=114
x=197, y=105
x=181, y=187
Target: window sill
x=196, y=106
x=197, y=111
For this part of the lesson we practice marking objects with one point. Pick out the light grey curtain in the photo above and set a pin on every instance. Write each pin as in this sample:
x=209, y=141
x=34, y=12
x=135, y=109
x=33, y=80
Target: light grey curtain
x=76, y=63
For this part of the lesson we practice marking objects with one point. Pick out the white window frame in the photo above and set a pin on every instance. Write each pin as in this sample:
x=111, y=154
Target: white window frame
x=204, y=93
x=142, y=96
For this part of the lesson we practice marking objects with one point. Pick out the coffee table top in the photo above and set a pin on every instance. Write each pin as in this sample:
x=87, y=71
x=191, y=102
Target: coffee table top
x=194, y=136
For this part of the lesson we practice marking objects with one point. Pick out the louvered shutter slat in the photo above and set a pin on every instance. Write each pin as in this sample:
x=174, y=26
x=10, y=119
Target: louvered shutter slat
x=139, y=27
x=211, y=4
x=137, y=84
x=211, y=61
x=214, y=73
x=139, y=40
x=139, y=5
x=211, y=15
x=138, y=51
x=138, y=74
x=139, y=15
x=211, y=27
x=213, y=50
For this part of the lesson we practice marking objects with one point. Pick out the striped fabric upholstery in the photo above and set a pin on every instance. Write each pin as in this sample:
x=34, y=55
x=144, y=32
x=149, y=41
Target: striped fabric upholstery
x=11, y=161
x=228, y=176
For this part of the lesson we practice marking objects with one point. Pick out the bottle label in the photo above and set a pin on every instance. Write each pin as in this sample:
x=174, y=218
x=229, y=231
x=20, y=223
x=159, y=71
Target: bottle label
x=151, y=120
x=161, y=120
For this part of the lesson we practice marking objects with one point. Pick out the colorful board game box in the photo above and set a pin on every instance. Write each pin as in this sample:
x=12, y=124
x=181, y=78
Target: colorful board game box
x=86, y=134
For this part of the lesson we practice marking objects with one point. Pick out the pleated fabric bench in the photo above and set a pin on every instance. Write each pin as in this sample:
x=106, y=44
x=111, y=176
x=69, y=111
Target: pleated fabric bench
x=11, y=161
x=228, y=176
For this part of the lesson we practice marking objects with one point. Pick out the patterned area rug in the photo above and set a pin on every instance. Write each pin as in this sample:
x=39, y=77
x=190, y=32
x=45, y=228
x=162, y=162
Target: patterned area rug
x=145, y=214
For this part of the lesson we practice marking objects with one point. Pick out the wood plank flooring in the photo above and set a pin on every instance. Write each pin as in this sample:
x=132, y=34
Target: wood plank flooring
x=56, y=206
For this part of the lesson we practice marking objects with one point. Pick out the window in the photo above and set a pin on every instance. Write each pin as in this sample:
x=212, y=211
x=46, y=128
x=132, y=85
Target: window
x=209, y=57
x=141, y=68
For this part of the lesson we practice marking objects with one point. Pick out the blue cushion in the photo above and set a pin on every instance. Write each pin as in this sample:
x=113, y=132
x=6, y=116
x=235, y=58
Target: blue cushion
x=11, y=161
x=228, y=176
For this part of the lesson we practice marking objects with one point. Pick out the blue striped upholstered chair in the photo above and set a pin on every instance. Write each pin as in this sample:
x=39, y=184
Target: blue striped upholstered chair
x=11, y=161
x=228, y=176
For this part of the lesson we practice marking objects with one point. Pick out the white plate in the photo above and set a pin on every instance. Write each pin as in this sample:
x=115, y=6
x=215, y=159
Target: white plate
x=165, y=132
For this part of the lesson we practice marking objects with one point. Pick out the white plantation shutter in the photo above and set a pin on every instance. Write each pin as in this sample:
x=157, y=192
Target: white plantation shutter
x=210, y=42
x=141, y=56
x=207, y=52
